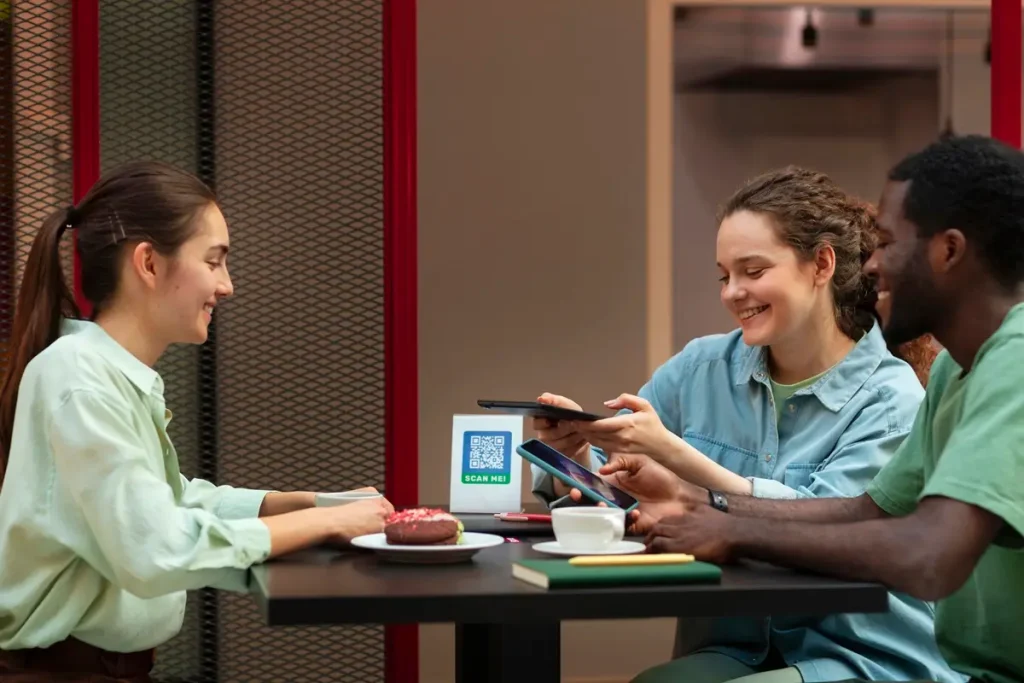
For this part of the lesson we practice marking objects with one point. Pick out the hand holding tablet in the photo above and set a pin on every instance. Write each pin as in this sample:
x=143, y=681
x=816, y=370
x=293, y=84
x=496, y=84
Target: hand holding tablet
x=575, y=476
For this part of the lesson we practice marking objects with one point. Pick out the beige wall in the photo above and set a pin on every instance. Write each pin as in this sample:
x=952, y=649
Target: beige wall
x=541, y=189
x=532, y=226
x=971, y=76
x=721, y=139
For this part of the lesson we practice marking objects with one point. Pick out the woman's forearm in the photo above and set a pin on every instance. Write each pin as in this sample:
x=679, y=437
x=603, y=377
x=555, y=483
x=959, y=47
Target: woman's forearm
x=278, y=503
x=690, y=464
x=296, y=531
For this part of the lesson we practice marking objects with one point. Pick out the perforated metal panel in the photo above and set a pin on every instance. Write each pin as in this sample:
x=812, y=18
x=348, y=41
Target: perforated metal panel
x=279, y=107
x=148, y=110
x=300, y=363
x=291, y=139
x=35, y=135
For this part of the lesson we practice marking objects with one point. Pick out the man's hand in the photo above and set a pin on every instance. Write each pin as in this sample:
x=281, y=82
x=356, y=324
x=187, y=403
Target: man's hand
x=703, y=532
x=660, y=492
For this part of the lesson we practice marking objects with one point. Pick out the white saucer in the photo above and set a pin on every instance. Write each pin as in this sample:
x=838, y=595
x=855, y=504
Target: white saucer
x=620, y=548
x=471, y=544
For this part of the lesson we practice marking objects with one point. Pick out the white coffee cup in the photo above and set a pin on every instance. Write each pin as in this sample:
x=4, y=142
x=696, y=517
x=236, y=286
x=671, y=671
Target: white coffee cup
x=588, y=528
x=324, y=500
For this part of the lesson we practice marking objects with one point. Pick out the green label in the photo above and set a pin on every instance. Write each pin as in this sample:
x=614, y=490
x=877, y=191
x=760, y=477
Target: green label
x=485, y=478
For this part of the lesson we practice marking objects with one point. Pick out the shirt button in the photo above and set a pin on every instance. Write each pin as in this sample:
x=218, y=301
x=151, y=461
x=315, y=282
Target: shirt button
x=767, y=457
x=792, y=407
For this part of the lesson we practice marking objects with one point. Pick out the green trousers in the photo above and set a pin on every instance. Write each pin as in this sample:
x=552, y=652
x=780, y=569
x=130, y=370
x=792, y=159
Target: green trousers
x=711, y=667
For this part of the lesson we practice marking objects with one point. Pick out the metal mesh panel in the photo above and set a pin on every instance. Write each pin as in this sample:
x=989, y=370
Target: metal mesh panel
x=297, y=359
x=299, y=148
x=148, y=104
x=35, y=136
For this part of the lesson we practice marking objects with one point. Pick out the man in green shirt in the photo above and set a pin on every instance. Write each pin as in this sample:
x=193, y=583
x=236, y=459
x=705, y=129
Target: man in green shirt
x=944, y=520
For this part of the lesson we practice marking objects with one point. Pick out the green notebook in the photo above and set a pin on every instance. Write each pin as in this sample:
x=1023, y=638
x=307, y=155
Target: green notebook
x=561, y=574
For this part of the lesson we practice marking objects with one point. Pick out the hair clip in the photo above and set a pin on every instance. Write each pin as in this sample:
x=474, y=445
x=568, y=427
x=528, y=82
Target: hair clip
x=71, y=216
x=115, y=237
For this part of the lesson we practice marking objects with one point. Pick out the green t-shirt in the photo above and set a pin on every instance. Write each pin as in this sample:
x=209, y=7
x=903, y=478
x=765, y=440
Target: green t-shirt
x=783, y=392
x=967, y=443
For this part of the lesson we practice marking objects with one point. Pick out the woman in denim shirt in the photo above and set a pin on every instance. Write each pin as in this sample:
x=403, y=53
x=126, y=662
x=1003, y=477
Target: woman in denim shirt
x=803, y=400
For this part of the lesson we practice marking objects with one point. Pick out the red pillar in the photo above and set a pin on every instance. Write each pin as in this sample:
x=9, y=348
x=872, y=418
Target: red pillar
x=401, y=452
x=1006, y=71
x=85, y=111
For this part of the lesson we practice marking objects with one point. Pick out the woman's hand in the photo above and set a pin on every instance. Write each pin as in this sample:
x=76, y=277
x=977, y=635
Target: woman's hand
x=638, y=432
x=362, y=517
x=337, y=525
x=562, y=435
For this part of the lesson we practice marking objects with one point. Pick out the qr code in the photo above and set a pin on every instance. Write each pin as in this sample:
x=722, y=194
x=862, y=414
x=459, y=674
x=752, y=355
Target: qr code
x=486, y=452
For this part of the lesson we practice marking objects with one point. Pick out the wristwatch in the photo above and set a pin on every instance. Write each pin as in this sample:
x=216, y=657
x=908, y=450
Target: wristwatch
x=718, y=501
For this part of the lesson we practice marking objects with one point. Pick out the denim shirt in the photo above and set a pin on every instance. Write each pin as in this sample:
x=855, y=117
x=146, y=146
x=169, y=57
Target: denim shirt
x=832, y=438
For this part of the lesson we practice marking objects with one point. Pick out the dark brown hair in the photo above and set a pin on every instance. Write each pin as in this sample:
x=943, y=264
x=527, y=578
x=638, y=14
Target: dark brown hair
x=810, y=211
x=139, y=202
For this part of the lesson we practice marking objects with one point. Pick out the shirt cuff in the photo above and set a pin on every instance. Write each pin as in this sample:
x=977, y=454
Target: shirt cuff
x=251, y=538
x=769, y=488
x=241, y=504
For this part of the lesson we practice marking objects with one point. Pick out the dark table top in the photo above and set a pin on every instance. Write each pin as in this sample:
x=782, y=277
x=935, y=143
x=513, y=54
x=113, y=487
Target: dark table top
x=354, y=587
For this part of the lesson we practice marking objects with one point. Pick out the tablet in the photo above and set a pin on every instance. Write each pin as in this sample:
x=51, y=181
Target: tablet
x=535, y=409
x=575, y=476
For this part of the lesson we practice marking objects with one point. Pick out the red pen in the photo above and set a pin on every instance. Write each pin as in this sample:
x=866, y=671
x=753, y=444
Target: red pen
x=522, y=517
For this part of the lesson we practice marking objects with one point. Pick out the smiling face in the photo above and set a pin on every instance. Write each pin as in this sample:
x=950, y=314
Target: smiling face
x=903, y=278
x=194, y=280
x=769, y=290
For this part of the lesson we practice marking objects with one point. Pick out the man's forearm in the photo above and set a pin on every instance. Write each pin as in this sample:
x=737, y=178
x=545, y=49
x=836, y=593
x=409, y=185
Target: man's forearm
x=890, y=551
x=817, y=510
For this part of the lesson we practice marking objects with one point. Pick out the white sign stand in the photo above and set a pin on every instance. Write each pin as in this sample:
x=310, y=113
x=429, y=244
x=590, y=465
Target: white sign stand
x=486, y=470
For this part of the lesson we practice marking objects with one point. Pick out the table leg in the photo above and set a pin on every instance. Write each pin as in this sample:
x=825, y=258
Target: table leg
x=507, y=653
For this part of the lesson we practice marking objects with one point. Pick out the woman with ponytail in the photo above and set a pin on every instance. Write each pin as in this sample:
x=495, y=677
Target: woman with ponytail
x=803, y=400
x=100, y=534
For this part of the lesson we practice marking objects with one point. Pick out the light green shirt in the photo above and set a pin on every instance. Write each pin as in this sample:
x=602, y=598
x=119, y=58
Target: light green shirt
x=100, y=534
x=968, y=444
x=781, y=393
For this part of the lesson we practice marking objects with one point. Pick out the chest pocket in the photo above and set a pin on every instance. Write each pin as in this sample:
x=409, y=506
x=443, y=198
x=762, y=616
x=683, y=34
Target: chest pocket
x=735, y=458
x=799, y=474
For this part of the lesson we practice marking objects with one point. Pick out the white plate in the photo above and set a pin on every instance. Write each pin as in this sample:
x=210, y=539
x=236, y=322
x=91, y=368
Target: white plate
x=620, y=548
x=471, y=544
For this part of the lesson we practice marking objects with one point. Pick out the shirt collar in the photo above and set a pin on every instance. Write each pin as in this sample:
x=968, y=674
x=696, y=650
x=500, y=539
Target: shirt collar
x=837, y=386
x=138, y=373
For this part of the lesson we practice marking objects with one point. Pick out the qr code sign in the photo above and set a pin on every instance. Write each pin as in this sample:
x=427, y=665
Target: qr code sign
x=487, y=457
x=487, y=452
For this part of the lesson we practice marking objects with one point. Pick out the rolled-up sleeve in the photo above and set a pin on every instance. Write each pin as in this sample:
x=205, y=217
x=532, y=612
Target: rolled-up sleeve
x=150, y=544
x=227, y=502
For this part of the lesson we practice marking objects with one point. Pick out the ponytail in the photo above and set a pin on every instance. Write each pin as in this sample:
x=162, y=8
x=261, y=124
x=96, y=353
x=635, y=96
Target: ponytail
x=138, y=202
x=43, y=300
x=855, y=299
